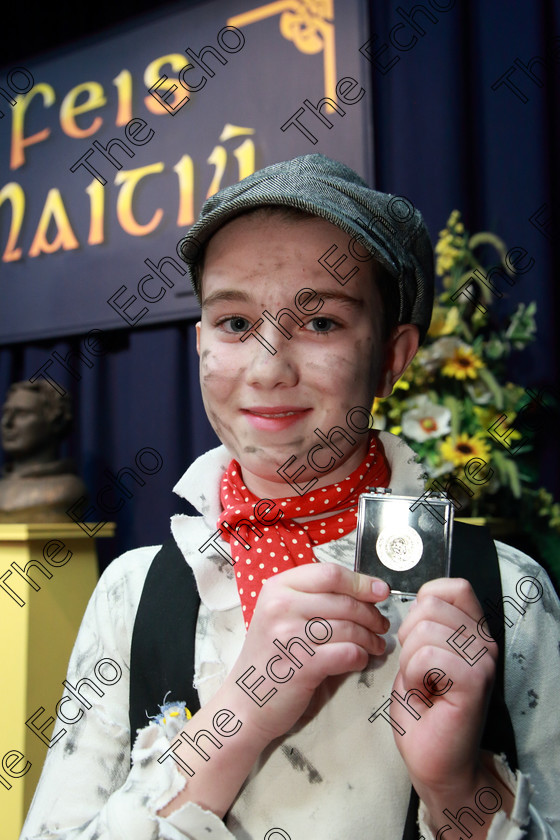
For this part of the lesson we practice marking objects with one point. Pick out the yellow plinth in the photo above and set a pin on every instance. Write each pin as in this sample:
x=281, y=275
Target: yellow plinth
x=37, y=638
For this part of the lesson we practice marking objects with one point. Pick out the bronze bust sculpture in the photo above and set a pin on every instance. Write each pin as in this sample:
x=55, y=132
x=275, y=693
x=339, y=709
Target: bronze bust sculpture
x=36, y=486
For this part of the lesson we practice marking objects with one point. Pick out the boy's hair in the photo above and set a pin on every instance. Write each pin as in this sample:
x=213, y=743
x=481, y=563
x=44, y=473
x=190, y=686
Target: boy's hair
x=386, y=285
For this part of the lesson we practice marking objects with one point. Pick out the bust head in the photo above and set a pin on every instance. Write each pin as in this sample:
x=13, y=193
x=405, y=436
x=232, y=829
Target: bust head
x=36, y=486
x=35, y=418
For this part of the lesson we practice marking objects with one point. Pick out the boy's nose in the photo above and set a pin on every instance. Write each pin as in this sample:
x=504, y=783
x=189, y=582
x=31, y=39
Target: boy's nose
x=269, y=327
x=272, y=357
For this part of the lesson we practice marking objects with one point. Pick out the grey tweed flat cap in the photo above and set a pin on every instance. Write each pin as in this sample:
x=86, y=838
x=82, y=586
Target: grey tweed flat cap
x=388, y=226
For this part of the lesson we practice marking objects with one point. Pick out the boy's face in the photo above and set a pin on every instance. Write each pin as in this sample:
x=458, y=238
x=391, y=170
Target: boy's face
x=265, y=406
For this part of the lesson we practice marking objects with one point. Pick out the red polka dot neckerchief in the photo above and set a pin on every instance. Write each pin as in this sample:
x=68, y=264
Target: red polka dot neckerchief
x=286, y=543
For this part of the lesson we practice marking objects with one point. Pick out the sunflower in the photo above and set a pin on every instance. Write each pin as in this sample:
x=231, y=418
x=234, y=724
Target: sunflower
x=485, y=415
x=489, y=419
x=461, y=449
x=462, y=363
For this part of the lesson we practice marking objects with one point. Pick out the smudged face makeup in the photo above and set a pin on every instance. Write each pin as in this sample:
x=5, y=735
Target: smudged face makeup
x=294, y=372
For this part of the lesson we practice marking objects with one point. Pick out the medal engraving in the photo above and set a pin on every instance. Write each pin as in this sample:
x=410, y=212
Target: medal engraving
x=399, y=548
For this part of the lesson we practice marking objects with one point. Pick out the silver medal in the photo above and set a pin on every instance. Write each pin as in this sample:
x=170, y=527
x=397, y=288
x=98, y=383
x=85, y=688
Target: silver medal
x=399, y=548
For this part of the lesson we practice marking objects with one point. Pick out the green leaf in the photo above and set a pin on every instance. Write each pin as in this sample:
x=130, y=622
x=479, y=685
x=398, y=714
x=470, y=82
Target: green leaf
x=454, y=407
x=487, y=238
x=498, y=461
x=493, y=386
x=515, y=485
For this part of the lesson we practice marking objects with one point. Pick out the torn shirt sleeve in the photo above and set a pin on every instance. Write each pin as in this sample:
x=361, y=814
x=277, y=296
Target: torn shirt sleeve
x=88, y=789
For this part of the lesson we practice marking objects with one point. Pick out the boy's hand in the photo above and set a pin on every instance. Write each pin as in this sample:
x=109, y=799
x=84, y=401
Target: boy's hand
x=441, y=750
x=286, y=603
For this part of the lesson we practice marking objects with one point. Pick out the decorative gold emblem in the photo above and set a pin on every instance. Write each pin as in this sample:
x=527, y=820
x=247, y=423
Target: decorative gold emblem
x=309, y=24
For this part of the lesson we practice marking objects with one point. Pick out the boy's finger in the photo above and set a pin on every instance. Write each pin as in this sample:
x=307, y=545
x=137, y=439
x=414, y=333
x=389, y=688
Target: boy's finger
x=330, y=577
x=456, y=591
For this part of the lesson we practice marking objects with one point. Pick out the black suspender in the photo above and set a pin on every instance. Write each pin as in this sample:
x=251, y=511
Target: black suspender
x=162, y=647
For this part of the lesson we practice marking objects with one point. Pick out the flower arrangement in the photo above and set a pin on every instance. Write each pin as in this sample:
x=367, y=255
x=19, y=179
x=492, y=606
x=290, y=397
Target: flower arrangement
x=450, y=395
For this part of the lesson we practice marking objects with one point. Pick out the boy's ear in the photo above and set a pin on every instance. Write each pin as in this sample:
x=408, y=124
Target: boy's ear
x=197, y=328
x=400, y=350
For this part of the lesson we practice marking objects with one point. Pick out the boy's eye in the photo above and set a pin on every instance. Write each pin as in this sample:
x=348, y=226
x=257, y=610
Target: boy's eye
x=321, y=324
x=235, y=324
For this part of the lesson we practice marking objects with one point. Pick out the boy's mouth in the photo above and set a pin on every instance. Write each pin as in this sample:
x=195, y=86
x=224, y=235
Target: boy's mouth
x=274, y=418
x=279, y=411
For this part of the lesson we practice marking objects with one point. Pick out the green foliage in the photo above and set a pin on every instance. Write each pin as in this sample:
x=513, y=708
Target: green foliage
x=455, y=390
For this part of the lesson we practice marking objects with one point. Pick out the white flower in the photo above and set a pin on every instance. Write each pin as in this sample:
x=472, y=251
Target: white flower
x=444, y=468
x=479, y=392
x=427, y=420
x=435, y=355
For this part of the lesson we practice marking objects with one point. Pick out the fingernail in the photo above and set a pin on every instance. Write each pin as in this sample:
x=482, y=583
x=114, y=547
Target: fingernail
x=380, y=588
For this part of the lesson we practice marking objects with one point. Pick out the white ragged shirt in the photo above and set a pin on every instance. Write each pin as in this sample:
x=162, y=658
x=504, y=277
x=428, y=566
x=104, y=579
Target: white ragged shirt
x=335, y=775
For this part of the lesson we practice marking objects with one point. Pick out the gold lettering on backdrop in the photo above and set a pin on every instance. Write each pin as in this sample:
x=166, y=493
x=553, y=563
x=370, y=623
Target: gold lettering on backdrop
x=19, y=141
x=95, y=99
x=218, y=158
x=245, y=154
x=54, y=219
x=129, y=180
x=317, y=33
x=153, y=73
x=96, y=194
x=68, y=109
x=65, y=238
x=185, y=173
x=14, y=193
x=123, y=84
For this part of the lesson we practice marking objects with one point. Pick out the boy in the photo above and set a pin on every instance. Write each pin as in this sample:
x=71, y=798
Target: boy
x=323, y=699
